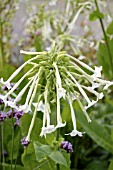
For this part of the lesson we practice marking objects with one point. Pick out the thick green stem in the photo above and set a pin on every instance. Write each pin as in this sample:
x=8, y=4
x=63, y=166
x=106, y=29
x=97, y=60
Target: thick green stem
x=106, y=39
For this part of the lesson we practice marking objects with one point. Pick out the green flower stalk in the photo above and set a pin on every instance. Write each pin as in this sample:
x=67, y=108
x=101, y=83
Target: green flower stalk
x=55, y=75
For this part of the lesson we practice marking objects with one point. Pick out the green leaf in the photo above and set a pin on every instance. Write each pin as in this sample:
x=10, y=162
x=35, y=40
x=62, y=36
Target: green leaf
x=96, y=131
x=97, y=165
x=111, y=165
x=7, y=71
x=8, y=166
x=104, y=59
x=25, y=123
x=30, y=163
x=50, y=138
x=110, y=28
x=41, y=151
x=96, y=15
x=28, y=158
x=58, y=157
x=67, y=157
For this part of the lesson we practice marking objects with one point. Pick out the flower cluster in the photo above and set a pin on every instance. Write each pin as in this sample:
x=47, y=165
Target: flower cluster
x=67, y=146
x=54, y=75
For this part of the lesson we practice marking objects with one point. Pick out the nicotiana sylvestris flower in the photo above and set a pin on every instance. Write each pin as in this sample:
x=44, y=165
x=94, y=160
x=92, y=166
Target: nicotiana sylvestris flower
x=54, y=76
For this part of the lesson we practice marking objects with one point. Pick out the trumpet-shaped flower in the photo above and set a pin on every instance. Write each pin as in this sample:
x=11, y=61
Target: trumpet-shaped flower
x=74, y=131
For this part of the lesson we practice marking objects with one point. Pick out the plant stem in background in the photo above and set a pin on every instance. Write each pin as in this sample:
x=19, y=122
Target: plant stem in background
x=2, y=145
x=106, y=39
x=57, y=138
x=18, y=150
x=12, y=145
x=1, y=45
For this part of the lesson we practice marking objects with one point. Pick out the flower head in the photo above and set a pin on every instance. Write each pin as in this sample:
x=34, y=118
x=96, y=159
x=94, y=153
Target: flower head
x=25, y=142
x=53, y=76
x=67, y=146
x=3, y=116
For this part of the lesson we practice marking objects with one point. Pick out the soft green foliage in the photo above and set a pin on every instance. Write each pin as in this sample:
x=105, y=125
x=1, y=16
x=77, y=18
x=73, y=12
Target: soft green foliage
x=96, y=15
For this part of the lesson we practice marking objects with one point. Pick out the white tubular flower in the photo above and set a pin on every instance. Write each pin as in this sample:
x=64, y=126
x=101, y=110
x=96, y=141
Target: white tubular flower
x=74, y=131
x=32, y=53
x=32, y=123
x=80, y=88
x=7, y=83
x=59, y=86
x=61, y=91
x=26, y=107
x=18, y=83
x=40, y=106
x=49, y=128
x=108, y=84
x=13, y=104
x=97, y=72
x=90, y=104
x=84, y=111
x=91, y=90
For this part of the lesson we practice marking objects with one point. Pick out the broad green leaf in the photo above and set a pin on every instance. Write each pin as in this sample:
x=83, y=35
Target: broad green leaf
x=25, y=123
x=7, y=71
x=111, y=165
x=30, y=163
x=104, y=58
x=96, y=131
x=58, y=157
x=110, y=28
x=50, y=138
x=8, y=167
x=96, y=15
x=41, y=151
x=67, y=157
x=97, y=165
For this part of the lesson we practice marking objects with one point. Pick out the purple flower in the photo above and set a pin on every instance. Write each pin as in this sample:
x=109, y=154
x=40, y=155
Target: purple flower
x=3, y=116
x=1, y=101
x=5, y=87
x=10, y=113
x=67, y=146
x=17, y=122
x=18, y=114
x=37, y=32
x=24, y=142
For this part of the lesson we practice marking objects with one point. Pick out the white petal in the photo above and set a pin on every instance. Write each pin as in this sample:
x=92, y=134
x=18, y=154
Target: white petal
x=24, y=108
x=90, y=104
x=97, y=72
x=73, y=97
x=60, y=124
x=47, y=130
x=12, y=104
x=6, y=83
x=107, y=85
x=61, y=93
x=4, y=98
x=40, y=106
x=76, y=132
